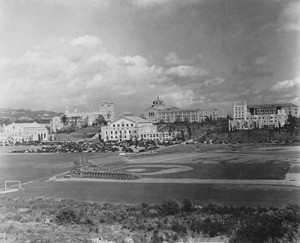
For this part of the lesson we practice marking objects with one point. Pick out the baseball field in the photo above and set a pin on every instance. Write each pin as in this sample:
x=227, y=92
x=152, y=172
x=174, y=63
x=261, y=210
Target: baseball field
x=228, y=174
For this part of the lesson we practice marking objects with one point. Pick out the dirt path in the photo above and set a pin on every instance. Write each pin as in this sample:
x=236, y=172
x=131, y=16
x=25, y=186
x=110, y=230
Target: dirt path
x=192, y=181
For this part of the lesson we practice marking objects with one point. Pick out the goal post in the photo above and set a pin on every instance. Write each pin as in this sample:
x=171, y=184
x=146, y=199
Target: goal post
x=12, y=184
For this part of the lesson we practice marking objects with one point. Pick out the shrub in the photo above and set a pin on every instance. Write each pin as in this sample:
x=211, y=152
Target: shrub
x=170, y=207
x=66, y=216
x=187, y=206
x=157, y=237
x=270, y=226
x=179, y=227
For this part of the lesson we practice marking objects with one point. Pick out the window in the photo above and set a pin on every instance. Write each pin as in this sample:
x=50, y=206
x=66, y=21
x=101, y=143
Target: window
x=114, y=125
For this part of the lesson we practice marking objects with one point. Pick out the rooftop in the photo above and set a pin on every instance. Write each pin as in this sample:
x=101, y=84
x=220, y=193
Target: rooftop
x=179, y=110
x=28, y=125
x=134, y=119
x=272, y=105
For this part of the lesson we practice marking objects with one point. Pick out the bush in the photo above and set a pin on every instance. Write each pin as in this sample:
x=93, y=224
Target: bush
x=187, y=206
x=66, y=216
x=270, y=226
x=170, y=207
x=179, y=227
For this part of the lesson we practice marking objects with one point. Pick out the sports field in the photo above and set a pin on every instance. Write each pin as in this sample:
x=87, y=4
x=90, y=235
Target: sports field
x=184, y=164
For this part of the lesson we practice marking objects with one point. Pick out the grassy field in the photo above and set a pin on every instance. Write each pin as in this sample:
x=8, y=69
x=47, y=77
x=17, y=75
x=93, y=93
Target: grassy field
x=28, y=167
x=229, y=171
x=211, y=162
x=237, y=195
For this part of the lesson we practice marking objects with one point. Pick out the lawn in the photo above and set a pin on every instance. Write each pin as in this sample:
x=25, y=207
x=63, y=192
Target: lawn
x=230, y=171
x=235, y=195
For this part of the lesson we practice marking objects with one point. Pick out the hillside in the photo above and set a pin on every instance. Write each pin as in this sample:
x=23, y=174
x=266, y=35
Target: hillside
x=8, y=115
x=217, y=132
x=80, y=134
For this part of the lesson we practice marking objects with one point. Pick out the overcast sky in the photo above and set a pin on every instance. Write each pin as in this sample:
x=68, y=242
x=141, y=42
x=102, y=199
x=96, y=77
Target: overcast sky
x=190, y=53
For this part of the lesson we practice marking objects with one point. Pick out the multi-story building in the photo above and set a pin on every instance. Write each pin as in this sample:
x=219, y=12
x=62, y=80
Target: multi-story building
x=158, y=113
x=260, y=116
x=151, y=113
x=56, y=124
x=178, y=115
x=190, y=115
x=80, y=118
x=239, y=110
x=266, y=109
x=23, y=132
x=212, y=114
x=106, y=109
x=131, y=128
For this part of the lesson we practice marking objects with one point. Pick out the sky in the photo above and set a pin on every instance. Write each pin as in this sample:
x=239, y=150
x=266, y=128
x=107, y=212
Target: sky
x=190, y=53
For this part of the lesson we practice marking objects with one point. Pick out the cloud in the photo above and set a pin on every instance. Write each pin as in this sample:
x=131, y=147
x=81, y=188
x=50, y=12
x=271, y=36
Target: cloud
x=179, y=97
x=150, y=3
x=291, y=17
x=86, y=41
x=263, y=60
x=173, y=59
x=66, y=72
x=153, y=3
x=184, y=71
x=286, y=84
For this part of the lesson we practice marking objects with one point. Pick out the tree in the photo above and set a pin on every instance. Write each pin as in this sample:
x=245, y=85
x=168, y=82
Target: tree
x=101, y=120
x=189, y=130
x=187, y=206
x=182, y=135
x=64, y=119
x=170, y=207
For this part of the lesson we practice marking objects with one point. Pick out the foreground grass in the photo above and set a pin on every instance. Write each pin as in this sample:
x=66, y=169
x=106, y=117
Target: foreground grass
x=61, y=220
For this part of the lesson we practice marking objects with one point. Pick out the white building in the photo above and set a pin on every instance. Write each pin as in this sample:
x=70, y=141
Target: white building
x=159, y=113
x=23, y=132
x=106, y=109
x=131, y=128
x=80, y=118
x=259, y=116
x=175, y=114
x=239, y=110
x=56, y=124
x=151, y=113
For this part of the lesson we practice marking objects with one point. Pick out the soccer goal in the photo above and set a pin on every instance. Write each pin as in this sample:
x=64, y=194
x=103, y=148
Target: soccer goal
x=12, y=185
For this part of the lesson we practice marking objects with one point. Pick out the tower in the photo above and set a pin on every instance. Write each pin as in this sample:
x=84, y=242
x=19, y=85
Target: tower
x=106, y=109
x=158, y=104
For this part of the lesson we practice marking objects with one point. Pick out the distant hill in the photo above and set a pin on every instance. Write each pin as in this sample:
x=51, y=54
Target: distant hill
x=8, y=115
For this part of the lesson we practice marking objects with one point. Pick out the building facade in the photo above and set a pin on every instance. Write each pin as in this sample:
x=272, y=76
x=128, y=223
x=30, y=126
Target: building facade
x=159, y=113
x=80, y=118
x=189, y=115
x=56, y=124
x=151, y=113
x=266, y=109
x=106, y=109
x=133, y=128
x=261, y=116
x=239, y=110
x=23, y=132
